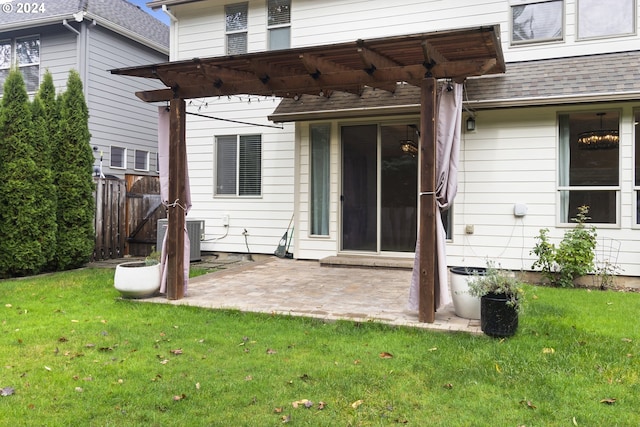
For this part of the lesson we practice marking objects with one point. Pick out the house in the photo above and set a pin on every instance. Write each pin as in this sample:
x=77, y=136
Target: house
x=92, y=36
x=558, y=130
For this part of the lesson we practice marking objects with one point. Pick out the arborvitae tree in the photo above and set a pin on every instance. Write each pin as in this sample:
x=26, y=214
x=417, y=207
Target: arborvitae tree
x=45, y=216
x=73, y=168
x=21, y=244
x=46, y=111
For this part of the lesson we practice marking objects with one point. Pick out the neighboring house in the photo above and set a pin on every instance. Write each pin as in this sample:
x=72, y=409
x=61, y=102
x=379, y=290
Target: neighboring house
x=92, y=36
x=335, y=164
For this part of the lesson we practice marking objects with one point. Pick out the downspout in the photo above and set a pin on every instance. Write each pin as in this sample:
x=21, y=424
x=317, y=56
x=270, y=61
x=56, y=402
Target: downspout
x=173, y=32
x=73, y=30
x=171, y=16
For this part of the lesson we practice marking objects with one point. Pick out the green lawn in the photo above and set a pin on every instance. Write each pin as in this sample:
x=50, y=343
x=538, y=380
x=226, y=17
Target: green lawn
x=73, y=354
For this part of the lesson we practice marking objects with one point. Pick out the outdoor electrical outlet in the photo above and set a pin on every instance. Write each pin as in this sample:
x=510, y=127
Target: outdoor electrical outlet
x=469, y=229
x=225, y=220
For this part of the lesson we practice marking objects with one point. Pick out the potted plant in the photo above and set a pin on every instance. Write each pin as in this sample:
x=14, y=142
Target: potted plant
x=501, y=296
x=139, y=279
x=465, y=305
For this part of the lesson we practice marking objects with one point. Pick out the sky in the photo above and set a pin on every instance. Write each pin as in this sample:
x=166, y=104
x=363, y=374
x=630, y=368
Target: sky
x=158, y=13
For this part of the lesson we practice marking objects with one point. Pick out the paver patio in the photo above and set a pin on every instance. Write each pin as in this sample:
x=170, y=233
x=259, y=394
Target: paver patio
x=305, y=288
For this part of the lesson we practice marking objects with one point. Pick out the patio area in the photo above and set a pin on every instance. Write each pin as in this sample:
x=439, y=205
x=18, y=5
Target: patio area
x=306, y=288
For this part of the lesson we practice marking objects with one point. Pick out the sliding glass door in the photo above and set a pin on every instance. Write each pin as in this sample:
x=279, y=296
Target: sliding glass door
x=379, y=188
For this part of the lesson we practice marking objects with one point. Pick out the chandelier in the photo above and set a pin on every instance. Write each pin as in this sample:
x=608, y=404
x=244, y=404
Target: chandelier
x=407, y=145
x=599, y=139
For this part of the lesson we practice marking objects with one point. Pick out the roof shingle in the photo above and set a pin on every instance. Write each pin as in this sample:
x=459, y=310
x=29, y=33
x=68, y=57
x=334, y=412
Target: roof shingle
x=119, y=12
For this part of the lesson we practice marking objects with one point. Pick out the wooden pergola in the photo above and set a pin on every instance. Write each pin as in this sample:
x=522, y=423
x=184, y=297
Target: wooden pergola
x=381, y=63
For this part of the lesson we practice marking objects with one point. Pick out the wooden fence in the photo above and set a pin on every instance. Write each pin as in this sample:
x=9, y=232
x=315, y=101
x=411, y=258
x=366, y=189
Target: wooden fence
x=110, y=222
x=126, y=216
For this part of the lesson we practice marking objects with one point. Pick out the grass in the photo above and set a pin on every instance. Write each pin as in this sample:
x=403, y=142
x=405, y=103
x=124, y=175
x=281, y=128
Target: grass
x=76, y=354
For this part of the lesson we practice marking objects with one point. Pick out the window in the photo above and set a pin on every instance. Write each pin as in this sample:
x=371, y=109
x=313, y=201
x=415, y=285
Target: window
x=279, y=24
x=537, y=22
x=636, y=182
x=589, y=165
x=5, y=60
x=25, y=54
x=319, y=181
x=602, y=18
x=118, y=158
x=238, y=165
x=141, y=160
x=236, y=17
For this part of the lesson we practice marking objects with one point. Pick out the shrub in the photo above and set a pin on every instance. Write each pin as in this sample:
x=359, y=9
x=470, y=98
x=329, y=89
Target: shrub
x=22, y=185
x=73, y=172
x=572, y=258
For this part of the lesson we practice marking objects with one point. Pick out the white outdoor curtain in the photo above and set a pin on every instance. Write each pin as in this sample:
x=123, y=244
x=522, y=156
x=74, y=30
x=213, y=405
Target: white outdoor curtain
x=163, y=159
x=449, y=119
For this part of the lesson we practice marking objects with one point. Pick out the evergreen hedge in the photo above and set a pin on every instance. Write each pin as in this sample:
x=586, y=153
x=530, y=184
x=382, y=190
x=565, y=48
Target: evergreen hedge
x=22, y=184
x=46, y=183
x=73, y=176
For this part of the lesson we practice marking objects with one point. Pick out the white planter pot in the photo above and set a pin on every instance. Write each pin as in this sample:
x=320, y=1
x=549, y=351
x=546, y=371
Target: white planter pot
x=137, y=280
x=464, y=305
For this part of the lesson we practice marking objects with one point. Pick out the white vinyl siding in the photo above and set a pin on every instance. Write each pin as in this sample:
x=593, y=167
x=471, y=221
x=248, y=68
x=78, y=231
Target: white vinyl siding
x=511, y=158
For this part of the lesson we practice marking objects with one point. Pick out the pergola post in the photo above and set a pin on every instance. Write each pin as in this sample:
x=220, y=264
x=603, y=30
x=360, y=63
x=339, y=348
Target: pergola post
x=177, y=200
x=427, y=202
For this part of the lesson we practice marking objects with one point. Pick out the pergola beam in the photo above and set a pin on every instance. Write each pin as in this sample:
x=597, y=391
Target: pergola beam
x=290, y=86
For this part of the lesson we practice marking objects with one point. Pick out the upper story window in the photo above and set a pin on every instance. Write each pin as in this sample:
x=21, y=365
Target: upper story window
x=534, y=22
x=25, y=53
x=118, y=158
x=238, y=165
x=236, y=18
x=279, y=24
x=599, y=18
x=589, y=165
x=141, y=160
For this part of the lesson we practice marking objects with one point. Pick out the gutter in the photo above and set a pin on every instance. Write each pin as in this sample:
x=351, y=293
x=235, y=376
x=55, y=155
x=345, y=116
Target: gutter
x=158, y=3
x=553, y=100
x=473, y=105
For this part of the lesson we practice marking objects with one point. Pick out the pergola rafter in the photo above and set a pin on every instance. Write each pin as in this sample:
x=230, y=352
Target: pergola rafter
x=381, y=63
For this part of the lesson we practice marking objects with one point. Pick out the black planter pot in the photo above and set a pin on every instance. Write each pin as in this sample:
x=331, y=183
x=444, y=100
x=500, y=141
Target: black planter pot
x=497, y=317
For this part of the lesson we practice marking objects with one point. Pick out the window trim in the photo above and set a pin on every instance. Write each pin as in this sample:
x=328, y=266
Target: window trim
x=634, y=25
x=518, y=43
x=244, y=31
x=237, y=171
x=135, y=160
x=277, y=27
x=13, y=61
x=329, y=126
x=615, y=188
x=124, y=157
